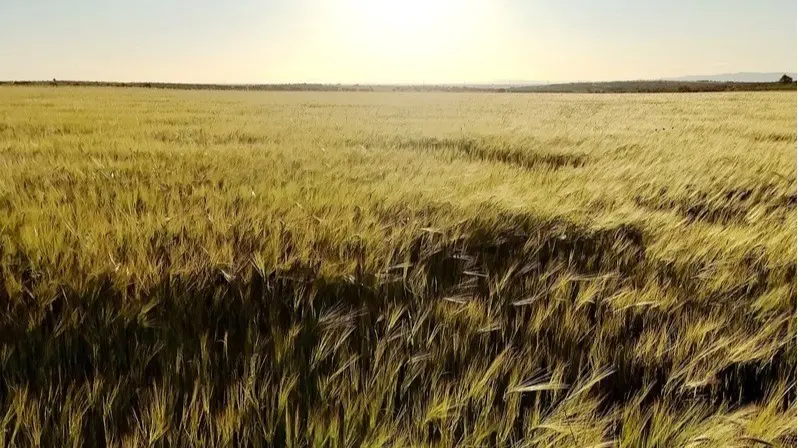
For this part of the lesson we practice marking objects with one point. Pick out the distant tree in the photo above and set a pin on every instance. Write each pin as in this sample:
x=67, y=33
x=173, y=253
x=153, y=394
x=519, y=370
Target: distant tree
x=785, y=79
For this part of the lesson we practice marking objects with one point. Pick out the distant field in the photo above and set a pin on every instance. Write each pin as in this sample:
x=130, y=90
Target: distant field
x=195, y=268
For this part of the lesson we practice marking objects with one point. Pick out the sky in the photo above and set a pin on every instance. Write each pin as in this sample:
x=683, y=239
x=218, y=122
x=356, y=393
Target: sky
x=391, y=41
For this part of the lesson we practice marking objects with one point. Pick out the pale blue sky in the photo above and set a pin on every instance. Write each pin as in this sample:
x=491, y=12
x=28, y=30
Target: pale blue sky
x=409, y=41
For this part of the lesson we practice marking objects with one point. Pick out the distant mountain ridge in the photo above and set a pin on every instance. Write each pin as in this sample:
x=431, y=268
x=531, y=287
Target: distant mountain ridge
x=736, y=77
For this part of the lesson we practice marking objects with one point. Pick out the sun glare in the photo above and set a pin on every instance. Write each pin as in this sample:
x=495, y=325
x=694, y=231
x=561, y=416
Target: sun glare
x=401, y=41
x=413, y=25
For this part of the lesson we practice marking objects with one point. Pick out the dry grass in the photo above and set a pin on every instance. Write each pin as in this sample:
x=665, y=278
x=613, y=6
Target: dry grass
x=384, y=269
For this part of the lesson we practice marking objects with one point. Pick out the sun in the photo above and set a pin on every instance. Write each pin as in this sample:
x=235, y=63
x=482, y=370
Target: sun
x=408, y=15
x=410, y=25
x=411, y=40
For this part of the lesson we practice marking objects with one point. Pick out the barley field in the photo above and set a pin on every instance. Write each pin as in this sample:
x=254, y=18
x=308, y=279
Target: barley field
x=199, y=268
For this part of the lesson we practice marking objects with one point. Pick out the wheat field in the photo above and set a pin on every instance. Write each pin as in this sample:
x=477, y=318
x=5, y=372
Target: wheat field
x=199, y=268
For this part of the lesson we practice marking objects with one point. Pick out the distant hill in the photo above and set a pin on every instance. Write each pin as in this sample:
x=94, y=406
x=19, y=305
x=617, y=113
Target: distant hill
x=655, y=87
x=736, y=77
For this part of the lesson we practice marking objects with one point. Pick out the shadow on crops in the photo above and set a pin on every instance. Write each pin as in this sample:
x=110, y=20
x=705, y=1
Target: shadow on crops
x=773, y=137
x=177, y=336
x=731, y=206
x=535, y=155
x=202, y=138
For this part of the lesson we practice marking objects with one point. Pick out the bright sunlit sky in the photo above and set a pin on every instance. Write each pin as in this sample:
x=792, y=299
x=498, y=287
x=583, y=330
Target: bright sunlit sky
x=391, y=41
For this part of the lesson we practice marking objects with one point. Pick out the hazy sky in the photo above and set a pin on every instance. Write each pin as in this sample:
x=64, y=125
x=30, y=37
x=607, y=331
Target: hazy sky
x=410, y=41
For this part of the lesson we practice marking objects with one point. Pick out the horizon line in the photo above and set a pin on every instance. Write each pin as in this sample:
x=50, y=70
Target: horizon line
x=516, y=83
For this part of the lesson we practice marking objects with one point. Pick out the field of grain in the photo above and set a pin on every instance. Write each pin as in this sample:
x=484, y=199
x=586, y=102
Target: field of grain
x=197, y=268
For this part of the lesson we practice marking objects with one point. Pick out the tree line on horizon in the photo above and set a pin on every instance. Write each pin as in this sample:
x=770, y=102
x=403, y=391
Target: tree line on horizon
x=785, y=83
